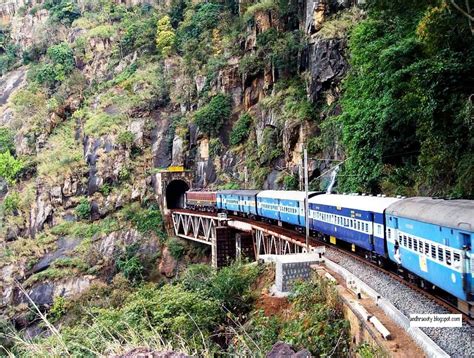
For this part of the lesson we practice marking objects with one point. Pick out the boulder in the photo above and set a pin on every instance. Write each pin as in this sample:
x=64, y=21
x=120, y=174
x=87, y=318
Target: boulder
x=168, y=264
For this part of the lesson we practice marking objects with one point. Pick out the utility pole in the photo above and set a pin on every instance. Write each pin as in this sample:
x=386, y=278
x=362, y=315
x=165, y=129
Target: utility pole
x=246, y=177
x=306, y=213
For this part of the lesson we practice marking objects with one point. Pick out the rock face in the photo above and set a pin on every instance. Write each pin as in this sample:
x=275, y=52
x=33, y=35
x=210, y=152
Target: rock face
x=168, y=264
x=9, y=83
x=327, y=67
x=43, y=294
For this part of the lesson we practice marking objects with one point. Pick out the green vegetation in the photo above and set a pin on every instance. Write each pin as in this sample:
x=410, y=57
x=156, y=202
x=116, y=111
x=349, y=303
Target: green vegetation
x=10, y=167
x=8, y=52
x=186, y=315
x=145, y=219
x=176, y=247
x=212, y=116
x=241, y=129
x=63, y=157
x=60, y=64
x=62, y=11
x=315, y=322
x=407, y=112
x=6, y=140
x=86, y=230
x=83, y=210
x=129, y=263
x=11, y=203
x=165, y=36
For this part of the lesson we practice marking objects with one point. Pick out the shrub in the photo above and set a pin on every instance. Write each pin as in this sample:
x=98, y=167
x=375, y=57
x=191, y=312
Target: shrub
x=83, y=210
x=60, y=64
x=129, y=263
x=212, y=116
x=58, y=309
x=11, y=203
x=176, y=247
x=290, y=182
x=231, y=285
x=241, y=129
x=10, y=167
x=165, y=36
x=101, y=32
x=145, y=220
x=126, y=138
x=63, y=11
x=6, y=140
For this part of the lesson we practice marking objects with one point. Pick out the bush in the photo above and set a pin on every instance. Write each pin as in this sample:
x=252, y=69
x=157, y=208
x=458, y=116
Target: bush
x=231, y=285
x=145, y=220
x=10, y=167
x=126, y=138
x=241, y=129
x=6, y=140
x=83, y=210
x=130, y=264
x=63, y=11
x=212, y=116
x=176, y=247
x=60, y=64
x=290, y=182
x=58, y=309
x=11, y=203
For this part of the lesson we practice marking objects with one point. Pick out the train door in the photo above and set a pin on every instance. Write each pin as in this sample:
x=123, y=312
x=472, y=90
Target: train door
x=468, y=265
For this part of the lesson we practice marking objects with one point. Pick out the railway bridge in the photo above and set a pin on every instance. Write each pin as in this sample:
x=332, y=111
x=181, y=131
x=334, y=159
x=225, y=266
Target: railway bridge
x=232, y=238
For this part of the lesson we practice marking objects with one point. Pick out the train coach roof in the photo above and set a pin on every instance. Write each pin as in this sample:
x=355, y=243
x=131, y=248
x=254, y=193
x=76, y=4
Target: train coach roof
x=285, y=194
x=373, y=204
x=239, y=192
x=457, y=214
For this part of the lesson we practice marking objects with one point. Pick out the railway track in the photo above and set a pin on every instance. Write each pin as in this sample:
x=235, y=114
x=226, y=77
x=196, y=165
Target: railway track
x=441, y=301
x=432, y=296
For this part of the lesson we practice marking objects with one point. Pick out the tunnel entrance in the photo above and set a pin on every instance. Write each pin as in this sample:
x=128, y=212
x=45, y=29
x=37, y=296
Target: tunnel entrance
x=175, y=194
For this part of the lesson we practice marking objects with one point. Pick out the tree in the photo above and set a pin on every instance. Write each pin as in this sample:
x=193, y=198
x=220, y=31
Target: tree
x=165, y=36
x=211, y=117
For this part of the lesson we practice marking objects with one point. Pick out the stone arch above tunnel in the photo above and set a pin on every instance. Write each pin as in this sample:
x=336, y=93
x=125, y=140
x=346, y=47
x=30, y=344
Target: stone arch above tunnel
x=166, y=184
x=175, y=194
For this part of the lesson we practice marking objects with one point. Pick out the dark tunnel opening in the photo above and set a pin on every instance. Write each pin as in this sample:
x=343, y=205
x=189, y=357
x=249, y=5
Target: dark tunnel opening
x=175, y=194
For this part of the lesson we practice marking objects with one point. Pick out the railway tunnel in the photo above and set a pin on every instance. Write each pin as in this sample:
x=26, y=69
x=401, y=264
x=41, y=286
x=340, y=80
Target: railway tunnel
x=175, y=191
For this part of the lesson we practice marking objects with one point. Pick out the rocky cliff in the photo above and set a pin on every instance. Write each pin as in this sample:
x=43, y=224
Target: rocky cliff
x=92, y=109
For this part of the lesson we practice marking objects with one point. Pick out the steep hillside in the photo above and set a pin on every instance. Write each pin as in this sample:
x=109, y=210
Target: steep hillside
x=97, y=96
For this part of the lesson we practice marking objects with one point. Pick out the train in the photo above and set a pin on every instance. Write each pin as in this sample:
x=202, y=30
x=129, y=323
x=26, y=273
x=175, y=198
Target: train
x=428, y=239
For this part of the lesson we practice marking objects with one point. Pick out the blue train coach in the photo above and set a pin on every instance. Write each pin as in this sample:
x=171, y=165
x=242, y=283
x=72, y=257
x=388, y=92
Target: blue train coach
x=432, y=238
x=238, y=201
x=356, y=219
x=285, y=206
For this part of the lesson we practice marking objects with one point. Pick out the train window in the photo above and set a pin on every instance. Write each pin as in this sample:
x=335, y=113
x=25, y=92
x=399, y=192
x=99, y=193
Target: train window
x=427, y=248
x=389, y=233
x=410, y=243
x=440, y=254
x=367, y=227
x=448, y=257
x=433, y=251
x=420, y=248
x=415, y=244
x=456, y=259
